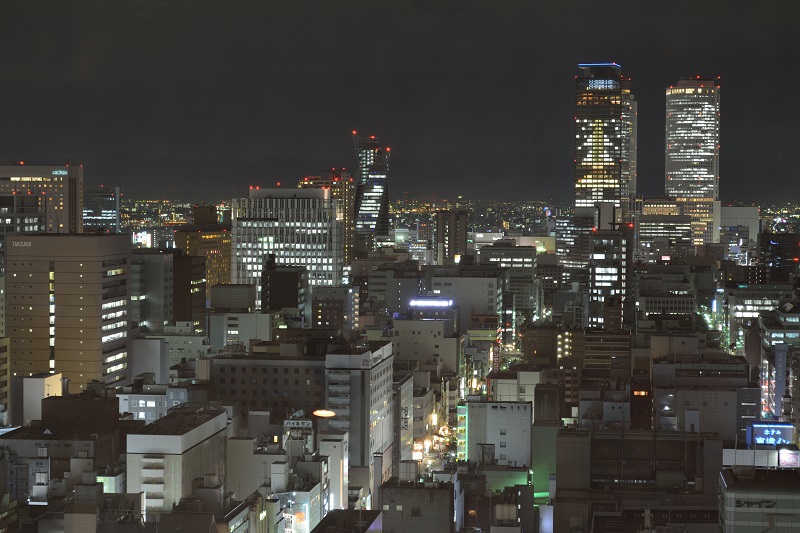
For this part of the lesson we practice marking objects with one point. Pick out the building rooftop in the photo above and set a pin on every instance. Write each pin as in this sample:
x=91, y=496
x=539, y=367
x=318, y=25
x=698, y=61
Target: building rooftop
x=204, y=227
x=187, y=521
x=44, y=433
x=349, y=521
x=783, y=480
x=182, y=418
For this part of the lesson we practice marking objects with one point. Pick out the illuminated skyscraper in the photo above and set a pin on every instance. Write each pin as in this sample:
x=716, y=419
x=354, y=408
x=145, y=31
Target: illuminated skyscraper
x=343, y=189
x=60, y=186
x=605, y=137
x=372, y=188
x=691, y=154
x=300, y=227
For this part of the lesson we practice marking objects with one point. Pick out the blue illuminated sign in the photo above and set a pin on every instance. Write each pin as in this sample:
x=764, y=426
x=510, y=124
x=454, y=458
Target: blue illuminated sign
x=59, y=173
x=770, y=434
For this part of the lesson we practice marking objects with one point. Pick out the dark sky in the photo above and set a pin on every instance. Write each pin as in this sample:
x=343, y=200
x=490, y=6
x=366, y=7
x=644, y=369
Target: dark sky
x=201, y=98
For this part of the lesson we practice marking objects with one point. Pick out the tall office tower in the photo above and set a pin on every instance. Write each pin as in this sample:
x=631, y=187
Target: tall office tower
x=691, y=154
x=212, y=241
x=299, y=226
x=189, y=291
x=359, y=383
x=451, y=235
x=343, y=189
x=372, y=190
x=101, y=209
x=62, y=187
x=610, y=265
x=572, y=241
x=67, y=305
x=605, y=137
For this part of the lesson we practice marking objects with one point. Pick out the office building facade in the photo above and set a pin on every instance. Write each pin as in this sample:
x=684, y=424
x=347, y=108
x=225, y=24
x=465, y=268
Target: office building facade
x=212, y=241
x=61, y=186
x=300, y=227
x=101, y=209
x=68, y=304
x=691, y=154
x=605, y=137
x=343, y=189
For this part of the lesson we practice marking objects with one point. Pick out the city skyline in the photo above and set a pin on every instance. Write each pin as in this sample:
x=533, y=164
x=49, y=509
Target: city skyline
x=155, y=96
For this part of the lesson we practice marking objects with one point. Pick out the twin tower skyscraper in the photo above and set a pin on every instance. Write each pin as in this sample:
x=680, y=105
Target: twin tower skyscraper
x=606, y=146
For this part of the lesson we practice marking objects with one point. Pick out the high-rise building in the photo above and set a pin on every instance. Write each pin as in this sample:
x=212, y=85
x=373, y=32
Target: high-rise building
x=372, y=189
x=212, y=241
x=299, y=226
x=101, y=209
x=62, y=187
x=572, y=238
x=167, y=288
x=359, y=391
x=67, y=305
x=451, y=235
x=343, y=189
x=691, y=154
x=610, y=262
x=605, y=137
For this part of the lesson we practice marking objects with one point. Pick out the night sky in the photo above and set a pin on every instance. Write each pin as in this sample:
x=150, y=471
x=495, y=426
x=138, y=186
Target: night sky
x=198, y=99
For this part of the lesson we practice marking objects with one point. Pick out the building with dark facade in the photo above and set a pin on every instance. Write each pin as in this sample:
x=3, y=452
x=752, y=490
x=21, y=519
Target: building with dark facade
x=281, y=378
x=213, y=242
x=284, y=287
x=101, y=209
x=372, y=189
x=451, y=235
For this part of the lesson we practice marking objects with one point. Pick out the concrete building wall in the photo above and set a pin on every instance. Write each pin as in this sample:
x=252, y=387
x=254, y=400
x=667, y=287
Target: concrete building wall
x=426, y=508
x=424, y=340
x=163, y=461
x=28, y=393
x=505, y=425
x=404, y=424
x=246, y=470
x=226, y=329
x=472, y=295
x=573, y=463
x=337, y=448
x=149, y=355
